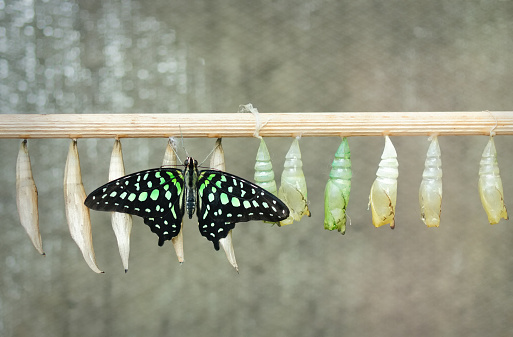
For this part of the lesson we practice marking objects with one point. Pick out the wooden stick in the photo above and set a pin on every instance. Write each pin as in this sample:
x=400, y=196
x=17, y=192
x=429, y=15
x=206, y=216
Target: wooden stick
x=216, y=125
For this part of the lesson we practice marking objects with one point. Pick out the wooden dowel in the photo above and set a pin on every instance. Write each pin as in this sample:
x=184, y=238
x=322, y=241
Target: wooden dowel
x=215, y=125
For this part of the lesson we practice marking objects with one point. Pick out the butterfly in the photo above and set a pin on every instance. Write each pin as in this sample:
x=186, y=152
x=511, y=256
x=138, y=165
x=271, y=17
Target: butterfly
x=162, y=196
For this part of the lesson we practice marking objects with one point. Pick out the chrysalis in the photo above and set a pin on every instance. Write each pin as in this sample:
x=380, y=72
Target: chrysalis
x=170, y=161
x=430, y=193
x=490, y=185
x=264, y=174
x=336, y=194
x=26, y=197
x=383, y=194
x=121, y=222
x=293, y=185
x=217, y=162
x=77, y=213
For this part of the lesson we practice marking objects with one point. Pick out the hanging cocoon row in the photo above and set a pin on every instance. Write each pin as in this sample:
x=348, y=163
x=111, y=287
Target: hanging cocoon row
x=225, y=193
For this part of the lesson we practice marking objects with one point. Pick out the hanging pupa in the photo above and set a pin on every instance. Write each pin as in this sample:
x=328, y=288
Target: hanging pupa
x=293, y=185
x=430, y=193
x=170, y=161
x=121, y=222
x=490, y=185
x=264, y=174
x=26, y=197
x=336, y=194
x=383, y=194
x=217, y=162
x=77, y=214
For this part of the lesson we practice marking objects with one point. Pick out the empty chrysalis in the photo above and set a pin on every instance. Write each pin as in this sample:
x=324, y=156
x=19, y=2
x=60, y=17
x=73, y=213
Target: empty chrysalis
x=121, y=222
x=26, y=197
x=77, y=214
x=264, y=174
x=217, y=162
x=336, y=194
x=170, y=160
x=490, y=185
x=430, y=193
x=383, y=194
x=293, y=185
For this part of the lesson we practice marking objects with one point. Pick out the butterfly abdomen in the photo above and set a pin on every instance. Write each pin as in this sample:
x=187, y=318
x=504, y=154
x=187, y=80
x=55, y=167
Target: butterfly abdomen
x=191, y=186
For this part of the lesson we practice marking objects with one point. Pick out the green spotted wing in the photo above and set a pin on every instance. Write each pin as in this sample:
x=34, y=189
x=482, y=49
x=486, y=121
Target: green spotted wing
x=156, y=195
x=225, y=199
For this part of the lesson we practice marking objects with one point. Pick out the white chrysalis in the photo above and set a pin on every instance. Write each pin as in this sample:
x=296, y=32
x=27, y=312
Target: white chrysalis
x=430, y=193
x=293, y=185
x=383, y=194
x=490, y=185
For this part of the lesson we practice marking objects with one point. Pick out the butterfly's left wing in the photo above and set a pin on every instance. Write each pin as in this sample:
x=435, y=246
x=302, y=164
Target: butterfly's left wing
x=156, y=195
x=225, y=199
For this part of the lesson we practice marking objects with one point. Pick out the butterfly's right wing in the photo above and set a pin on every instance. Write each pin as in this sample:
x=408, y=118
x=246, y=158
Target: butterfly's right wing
x=155, y=195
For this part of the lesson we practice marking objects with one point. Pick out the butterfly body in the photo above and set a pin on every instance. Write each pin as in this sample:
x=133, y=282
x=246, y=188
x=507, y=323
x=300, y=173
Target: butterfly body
x=162, y=196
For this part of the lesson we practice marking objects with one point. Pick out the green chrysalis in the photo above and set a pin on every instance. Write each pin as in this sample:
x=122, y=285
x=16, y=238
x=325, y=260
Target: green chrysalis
x=338, y=188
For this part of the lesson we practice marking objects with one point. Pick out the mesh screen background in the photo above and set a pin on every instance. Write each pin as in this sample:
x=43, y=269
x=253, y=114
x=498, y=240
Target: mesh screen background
x=282, y=56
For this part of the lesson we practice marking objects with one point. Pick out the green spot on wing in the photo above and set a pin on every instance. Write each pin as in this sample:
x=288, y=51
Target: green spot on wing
x=201, y=188
x=154, y=195
x=224, y=198
x=143, y=196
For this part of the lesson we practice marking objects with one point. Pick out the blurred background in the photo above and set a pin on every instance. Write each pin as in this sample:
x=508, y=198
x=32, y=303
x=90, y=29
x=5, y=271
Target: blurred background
x=134, y=56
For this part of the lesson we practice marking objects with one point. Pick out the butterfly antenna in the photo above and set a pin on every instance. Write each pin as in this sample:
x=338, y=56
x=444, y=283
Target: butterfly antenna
x=173, y=142
x=218, y=143
x=183, y=146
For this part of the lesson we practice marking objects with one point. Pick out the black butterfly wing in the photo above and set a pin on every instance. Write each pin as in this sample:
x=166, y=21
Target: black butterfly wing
x=225, y=199
x=155, y=195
